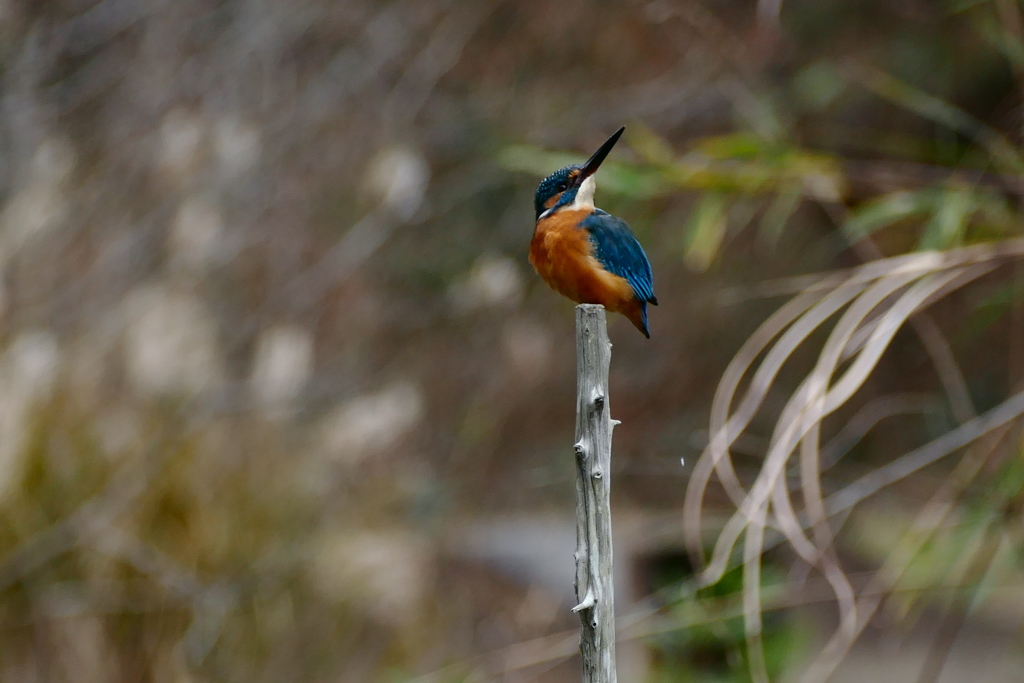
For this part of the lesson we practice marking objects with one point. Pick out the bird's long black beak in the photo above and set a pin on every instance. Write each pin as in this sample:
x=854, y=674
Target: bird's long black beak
x=594, y=162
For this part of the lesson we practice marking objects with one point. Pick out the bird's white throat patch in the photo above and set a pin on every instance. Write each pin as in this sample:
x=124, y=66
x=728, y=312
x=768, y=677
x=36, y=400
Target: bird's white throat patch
x=585, y=196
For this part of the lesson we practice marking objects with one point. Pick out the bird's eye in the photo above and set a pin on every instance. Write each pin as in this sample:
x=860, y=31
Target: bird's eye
x=562, y=186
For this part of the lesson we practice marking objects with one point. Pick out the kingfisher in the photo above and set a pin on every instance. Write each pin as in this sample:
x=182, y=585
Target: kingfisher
x=585, y=253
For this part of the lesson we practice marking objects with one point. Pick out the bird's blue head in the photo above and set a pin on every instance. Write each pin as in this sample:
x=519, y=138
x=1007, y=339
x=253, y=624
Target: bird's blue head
x=562, y=187
x=552, y=190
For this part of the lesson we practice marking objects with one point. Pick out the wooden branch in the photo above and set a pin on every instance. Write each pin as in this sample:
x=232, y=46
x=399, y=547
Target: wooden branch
x=594, y=588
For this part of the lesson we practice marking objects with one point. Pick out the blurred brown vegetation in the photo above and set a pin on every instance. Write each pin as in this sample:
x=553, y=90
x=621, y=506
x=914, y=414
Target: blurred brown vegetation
x=281, y=399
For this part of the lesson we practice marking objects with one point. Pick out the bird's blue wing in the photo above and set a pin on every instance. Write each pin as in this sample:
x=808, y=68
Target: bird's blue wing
x=620, y=253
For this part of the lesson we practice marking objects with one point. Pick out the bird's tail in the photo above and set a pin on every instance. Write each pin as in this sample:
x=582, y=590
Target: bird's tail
x=637, y=314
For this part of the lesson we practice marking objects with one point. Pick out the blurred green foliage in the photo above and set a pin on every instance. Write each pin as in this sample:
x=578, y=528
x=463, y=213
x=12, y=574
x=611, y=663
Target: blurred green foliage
x=712, y=644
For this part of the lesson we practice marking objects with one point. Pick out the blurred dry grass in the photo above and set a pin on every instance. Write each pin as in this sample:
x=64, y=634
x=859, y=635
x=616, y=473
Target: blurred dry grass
x=269, y=344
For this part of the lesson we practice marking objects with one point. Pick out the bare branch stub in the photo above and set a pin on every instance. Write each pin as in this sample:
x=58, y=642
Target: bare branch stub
x=594, y=587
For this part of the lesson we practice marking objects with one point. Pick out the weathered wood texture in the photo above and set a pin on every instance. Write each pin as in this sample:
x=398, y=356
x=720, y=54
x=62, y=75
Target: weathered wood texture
x=594, y=588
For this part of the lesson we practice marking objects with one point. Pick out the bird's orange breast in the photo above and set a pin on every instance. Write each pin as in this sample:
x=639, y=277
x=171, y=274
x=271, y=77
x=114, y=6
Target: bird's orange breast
x=563, y=255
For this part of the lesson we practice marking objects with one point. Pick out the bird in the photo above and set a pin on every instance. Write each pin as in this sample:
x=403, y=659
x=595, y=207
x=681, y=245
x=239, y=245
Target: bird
x=587, y=254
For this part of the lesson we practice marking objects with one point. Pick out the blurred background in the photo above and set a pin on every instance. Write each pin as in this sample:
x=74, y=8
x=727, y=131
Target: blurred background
x=281, y=398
